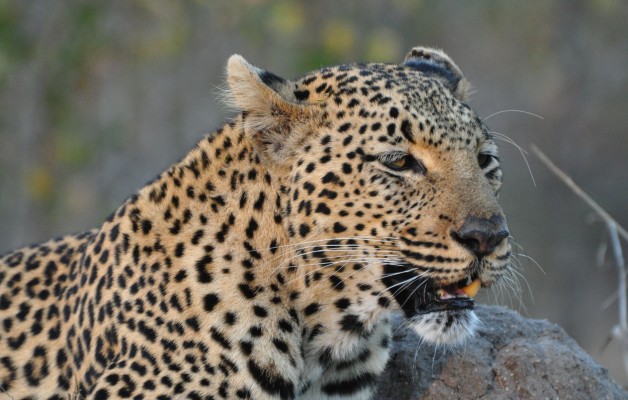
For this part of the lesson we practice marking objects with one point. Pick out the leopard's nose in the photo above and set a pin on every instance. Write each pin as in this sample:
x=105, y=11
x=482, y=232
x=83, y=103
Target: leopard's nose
x=481, y=235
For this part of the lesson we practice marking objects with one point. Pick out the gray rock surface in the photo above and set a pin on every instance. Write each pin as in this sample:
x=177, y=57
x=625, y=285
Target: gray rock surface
x=510, y=357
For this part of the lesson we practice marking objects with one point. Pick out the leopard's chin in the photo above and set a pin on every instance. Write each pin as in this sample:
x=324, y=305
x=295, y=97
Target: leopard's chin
x=440, y=314
x=446, y=316
x=449, y=327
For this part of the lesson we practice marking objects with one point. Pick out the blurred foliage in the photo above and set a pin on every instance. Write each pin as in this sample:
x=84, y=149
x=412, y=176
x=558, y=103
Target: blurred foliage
x=339, y=38
x=286, y=17
x=169, y=31
x=383, y=45
x=14, y=46
x=40, y=184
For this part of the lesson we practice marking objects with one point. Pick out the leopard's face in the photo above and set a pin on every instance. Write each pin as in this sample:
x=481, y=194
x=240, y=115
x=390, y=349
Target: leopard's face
x=392, y=184
x=400, y=184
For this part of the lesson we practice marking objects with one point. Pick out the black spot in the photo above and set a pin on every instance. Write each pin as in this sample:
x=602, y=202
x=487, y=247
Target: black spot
x=248, y=276
x=285, y=326
x=5, y=302
x=203, y=274
x=139, y=368
x=344, y=127
x=343, y=304
x=113, y=233
x=338, y=227
x=180, y=276
x=251, y=228
x=353, y=103
x=330, y=194
x=259, y=203
x=146, y=226
x=350, y=386
x=325, y=358
x=219, y=338
x=325, y=159
x=304, y=229
x=309, y=187
x=247, y=263
x=16, y=342
x=322, y=209
x=260, y=311
x=246, y=347
x=179, y=249
x=321, y=87
x=394, y=112
x=193, y=323
x=351, y=323
x=101, y=394
x=147, y=331
x=210, y=301
x=302, y=95
x=271, y=382
x=256, y=331
x=243, y=199
x=336, y=283
x=330, y=177
x=280, y=345
x=243, y=393
x=230, y=318
x=247, y=291
x=219, y=200
x=312, y=309
x=406, y=130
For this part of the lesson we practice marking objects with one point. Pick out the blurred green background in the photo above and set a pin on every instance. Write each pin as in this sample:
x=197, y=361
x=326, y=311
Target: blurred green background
x=97, y=97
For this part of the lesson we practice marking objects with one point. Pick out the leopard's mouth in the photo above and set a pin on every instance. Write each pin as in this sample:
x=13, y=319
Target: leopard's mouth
x=457, y=296
x=417, y=295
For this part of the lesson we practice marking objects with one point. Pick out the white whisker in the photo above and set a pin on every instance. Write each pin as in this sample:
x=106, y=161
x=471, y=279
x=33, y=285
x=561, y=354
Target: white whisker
x=514, y=110
x=501, y=136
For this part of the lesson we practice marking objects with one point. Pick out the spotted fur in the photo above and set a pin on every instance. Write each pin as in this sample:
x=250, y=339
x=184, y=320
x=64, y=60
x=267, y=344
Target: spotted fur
x=267, y=262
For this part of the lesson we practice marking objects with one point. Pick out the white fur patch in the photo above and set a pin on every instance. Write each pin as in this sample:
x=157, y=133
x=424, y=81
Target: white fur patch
x=433, y=327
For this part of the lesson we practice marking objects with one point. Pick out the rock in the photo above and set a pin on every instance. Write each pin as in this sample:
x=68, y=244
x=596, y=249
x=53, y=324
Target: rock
x=510, y=357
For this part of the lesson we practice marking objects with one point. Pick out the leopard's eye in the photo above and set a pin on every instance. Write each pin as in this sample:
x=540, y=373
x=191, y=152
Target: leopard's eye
x=401, y=162
x=484, y=159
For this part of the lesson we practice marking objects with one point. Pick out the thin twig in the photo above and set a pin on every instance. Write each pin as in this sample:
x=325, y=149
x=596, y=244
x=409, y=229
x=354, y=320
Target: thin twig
x=620, y=331
x=623, y=300
x=579, y=192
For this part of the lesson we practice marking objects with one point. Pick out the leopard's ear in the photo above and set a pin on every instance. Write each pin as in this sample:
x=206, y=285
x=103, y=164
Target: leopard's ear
x=273, y=114
x=436, y=63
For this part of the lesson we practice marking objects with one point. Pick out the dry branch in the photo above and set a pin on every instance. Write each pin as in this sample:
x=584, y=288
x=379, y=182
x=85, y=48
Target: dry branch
x=578, y=191
x=620, y=331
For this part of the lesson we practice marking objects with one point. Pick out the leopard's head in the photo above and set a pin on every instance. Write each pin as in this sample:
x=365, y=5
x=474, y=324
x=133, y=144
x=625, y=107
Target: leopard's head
x=390, y=183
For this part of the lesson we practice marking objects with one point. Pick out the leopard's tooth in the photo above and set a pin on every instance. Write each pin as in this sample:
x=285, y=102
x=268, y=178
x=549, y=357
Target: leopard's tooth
x=472, y=289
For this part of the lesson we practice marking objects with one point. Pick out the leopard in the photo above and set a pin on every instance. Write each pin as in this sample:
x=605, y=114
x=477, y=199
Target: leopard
x=270, y=261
